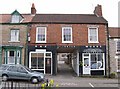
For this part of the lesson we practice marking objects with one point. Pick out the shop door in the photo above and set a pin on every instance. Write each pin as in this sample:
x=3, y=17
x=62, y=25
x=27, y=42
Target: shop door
x=48, y=63
x=86, y=64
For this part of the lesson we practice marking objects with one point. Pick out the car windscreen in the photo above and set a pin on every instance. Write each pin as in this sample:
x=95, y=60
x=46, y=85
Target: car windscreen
x=3, y=67
x=28, y=69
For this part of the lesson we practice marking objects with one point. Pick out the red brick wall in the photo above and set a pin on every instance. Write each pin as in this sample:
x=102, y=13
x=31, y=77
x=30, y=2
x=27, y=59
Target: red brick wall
x=80, y=34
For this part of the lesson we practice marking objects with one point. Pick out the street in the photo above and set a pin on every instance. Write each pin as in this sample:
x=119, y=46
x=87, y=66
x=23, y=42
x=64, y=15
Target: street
x=67, y=78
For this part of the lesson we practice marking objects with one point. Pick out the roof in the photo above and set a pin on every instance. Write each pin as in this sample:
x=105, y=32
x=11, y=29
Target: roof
x=6, y=18
x=114, y=32
x=57, y=18
x=68, y=18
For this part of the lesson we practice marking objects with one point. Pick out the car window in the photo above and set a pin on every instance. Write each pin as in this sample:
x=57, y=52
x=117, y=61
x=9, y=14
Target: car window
x=12, y=68
x=3, y=67
x=21, y=69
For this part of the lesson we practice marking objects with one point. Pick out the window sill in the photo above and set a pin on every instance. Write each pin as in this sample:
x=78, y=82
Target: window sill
x=14, y=41
x=93, y=42
x=67, y=42
x=40, y=41
x=98, y=69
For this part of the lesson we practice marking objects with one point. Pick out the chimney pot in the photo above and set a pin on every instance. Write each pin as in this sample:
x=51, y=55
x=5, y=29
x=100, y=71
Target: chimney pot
x=33, y=10
x=98, y=10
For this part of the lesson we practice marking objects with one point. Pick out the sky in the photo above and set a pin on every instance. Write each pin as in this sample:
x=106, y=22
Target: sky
x=109, y=7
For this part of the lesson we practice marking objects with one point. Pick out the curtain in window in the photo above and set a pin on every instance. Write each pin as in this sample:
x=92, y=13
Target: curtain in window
x=41, y=34
x=67, y=34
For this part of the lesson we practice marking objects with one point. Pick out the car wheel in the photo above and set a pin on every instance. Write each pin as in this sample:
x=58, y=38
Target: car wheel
x=4, y=77
x=34, y=80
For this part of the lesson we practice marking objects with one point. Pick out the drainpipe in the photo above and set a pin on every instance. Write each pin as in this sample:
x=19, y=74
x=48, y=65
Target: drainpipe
x=108, y=46
x=26, y=47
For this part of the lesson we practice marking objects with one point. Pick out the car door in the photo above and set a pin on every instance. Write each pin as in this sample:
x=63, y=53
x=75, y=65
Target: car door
x=22, y=73
x=12, y=72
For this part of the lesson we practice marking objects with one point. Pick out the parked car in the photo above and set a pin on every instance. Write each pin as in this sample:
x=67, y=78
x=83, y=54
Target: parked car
x=12, y=71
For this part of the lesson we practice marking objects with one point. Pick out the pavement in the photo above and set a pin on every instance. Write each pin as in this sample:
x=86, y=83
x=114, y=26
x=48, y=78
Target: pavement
x=67, y=78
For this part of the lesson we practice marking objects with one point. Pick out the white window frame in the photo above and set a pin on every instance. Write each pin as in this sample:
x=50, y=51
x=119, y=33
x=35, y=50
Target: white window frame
x=15, y=19
x=90, y=61
x=17, y=38
x=37, y=35
x=63, y=35
x=44, y=60
x=89, y=35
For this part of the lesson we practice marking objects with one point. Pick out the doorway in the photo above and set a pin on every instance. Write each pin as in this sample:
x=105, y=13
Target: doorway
x=68, y=64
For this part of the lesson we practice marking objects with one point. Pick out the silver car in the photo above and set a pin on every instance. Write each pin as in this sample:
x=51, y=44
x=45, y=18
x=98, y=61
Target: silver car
x=8, y=71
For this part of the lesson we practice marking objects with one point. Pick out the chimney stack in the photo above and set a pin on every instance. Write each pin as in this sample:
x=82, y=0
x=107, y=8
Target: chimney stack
x=33, y=10
x=98, y=10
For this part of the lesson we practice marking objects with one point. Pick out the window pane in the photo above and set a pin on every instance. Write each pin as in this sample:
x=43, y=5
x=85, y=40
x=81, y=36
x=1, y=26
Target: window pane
x=93, y=34
x=96, y=61
x=118, y=46
x=14, y=35
x=118, y=64
x=11, y=53
x=15, y=19
x=41, y=34
x=37, y=60
x=40, y=60
x=34, y=61
x=67, y=34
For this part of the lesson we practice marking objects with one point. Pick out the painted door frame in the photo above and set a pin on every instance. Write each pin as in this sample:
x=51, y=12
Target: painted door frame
x=77, y=63
x=83, y=57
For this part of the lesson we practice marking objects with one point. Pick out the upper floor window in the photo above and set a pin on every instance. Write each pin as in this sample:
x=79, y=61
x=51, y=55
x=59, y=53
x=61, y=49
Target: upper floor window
x=41, y=35
x=14, y=35
x=66, y=34
x=118, y=46
x=16, y=17
x=93, y=35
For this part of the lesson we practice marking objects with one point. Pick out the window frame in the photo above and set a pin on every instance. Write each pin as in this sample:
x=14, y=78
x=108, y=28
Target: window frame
x=89, y=41
x=37, y=28
x=63, y=35
x=18, y=38
x=117, y=46
x=15, y=19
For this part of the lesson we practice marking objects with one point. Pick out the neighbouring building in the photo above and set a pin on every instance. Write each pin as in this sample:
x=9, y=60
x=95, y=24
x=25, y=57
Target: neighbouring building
x=114, y=42
x=82, y=36
x=14, y=29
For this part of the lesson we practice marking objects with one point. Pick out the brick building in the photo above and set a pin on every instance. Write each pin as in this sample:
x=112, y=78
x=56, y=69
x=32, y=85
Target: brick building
x=14, y=28
x=114, y=42
x=82, y=36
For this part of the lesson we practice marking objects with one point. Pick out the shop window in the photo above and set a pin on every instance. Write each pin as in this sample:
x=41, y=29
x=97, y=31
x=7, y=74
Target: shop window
x=37, y=60
x=96, y=61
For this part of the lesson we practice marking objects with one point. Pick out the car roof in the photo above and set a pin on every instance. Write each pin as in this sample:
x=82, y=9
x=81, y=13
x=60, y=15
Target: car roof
x=10, y=65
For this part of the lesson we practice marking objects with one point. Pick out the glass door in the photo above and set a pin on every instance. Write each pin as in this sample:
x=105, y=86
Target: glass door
x=86, y=64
